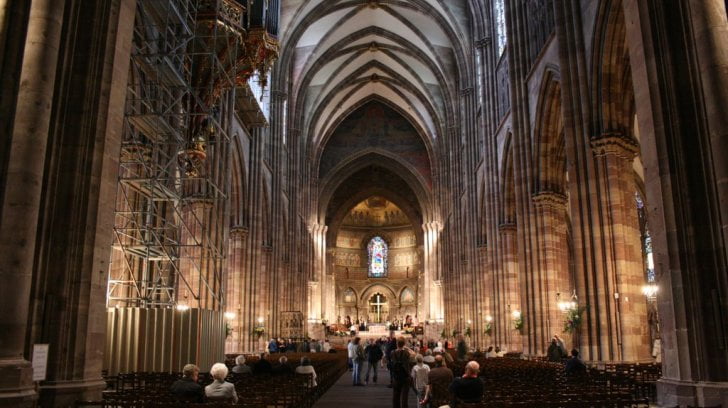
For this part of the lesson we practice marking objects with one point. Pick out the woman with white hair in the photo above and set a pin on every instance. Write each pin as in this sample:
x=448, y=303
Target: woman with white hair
x=307, y=369
x=220, y=390
x=241, y=367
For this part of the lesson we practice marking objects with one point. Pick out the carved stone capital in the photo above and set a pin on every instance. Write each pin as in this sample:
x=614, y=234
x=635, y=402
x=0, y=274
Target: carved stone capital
x=466, y=91
x=483, y=42
x=239, y=232
x=278, y=95
x=507, y=228
x=550, y=199
x=615, y=144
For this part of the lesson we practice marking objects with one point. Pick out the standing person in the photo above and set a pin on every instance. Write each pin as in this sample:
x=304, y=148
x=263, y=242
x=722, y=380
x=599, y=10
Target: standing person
x=351, y=351
x=419, y=378
x=358, y=361
x=272, y=346
x=462, y=348
x=554, y=352
x=388, y=349
x=401, y=368
x=374, y=355
x=438, y=381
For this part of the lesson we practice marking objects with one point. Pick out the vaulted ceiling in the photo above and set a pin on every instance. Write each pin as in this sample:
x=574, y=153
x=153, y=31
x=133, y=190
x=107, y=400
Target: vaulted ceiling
x=341, y=53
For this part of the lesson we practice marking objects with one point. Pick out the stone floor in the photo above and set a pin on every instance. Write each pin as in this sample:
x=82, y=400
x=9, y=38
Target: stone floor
x=344, y=395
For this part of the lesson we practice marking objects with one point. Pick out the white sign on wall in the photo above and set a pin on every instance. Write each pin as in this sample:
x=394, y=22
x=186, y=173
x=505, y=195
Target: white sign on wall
x=40, y=361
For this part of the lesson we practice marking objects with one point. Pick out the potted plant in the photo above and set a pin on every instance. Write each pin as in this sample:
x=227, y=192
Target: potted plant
x=572, y=320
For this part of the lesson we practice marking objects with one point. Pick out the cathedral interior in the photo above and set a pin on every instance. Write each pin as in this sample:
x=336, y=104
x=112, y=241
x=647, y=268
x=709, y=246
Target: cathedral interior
x=185, y=179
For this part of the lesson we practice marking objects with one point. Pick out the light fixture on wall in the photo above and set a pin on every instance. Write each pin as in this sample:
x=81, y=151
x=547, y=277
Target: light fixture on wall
x=565, y=306
x=182, y=307
x=516, y=314
x=229, y=315
x=650, y=291
x=488, y=318
x=260, y=320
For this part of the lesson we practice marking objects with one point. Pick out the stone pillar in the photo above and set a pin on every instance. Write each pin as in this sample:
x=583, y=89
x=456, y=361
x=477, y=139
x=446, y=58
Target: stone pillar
x=623, y=313
x=22, y=195
x=237, y=293
x=431, y=296
x=552, y=275
x=317, y=285
x=507, y=291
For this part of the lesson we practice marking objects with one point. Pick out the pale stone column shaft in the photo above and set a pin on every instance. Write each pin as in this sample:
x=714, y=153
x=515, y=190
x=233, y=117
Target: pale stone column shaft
x=21, y=198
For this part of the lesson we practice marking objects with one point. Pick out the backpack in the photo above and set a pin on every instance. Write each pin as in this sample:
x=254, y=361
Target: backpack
x=400, y=365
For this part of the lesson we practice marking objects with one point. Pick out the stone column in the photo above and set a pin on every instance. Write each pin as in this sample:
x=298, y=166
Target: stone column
x=237, y=298
x=552, y=275
x=623, y=314
x=21, y=198
x=507, y=291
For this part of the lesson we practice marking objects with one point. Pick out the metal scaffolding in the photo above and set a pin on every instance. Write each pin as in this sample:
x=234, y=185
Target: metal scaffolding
x=174, y=165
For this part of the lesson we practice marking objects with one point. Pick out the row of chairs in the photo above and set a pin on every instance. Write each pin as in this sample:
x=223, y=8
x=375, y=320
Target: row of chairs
x=526, y=383
x=151, y=390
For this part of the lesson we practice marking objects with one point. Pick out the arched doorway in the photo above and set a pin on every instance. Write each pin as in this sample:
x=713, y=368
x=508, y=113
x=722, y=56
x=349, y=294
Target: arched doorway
x=378, y=308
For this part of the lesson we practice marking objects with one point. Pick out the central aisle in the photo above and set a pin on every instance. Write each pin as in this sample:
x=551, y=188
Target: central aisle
x=343, y=394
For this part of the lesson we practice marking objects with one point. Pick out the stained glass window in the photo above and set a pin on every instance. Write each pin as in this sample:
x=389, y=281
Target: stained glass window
x=377, y=257
x=499, y=12
x=646, y=239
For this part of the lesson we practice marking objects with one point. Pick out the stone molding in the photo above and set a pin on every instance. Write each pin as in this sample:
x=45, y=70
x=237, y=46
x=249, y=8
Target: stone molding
x=466, y=91
x=615, y=144
x=550, y=199
x=239, y=232
x=277, y=95
x=483, y=42
x=507, y=227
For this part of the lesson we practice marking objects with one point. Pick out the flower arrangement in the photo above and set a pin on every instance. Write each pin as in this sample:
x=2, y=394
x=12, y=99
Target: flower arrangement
x=572, y=320
x=467, y=331
x=443, y=334
x=228, y=330
x=488, y=328
x=340, y=333
x=259, y=331
x=409, y=330
x=455, y=333
x=518, y=323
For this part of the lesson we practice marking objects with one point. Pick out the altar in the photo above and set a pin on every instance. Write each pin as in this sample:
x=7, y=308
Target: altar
x=378, y=329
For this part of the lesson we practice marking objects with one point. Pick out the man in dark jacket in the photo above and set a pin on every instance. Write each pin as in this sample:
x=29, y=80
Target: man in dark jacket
x=373, y=354
x=554, y=352
x=263, y=366
x=574, y=366
x=187, y=389
x=468, y=388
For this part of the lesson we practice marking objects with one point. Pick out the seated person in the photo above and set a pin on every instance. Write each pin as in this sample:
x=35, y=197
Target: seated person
x=263, y=366
x=283, y=367
x=220, y=390
x=574, y=366
x=187, y=389
x=307, y=368
x=469, y=387
x=241, y=367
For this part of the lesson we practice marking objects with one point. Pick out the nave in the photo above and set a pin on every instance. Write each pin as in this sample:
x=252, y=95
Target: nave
x=344, y=394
